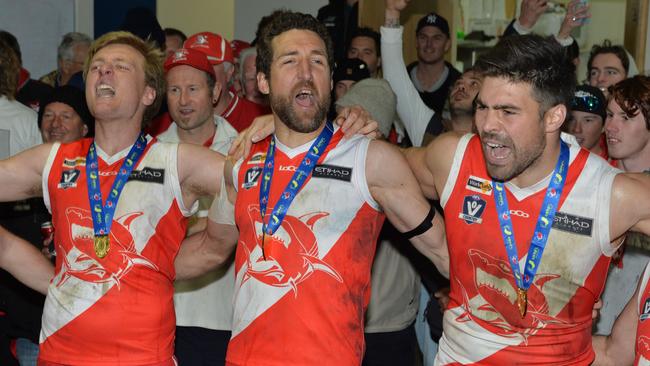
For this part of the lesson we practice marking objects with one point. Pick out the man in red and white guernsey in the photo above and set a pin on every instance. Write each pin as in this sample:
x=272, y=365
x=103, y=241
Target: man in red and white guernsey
x=309, y=206
x=119, y=205
x=628, y=134
x=529, y=215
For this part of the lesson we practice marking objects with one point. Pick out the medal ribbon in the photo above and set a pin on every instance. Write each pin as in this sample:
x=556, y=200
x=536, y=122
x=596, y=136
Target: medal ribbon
x=103, y=214
x=297, y=181
x=544, y=222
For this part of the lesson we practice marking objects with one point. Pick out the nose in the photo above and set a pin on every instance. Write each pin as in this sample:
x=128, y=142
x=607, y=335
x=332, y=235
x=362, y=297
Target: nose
x=576, y=127
x=602, y=79
x=105, y=69
x=611, y=124
x=487, y=120
x=304, y=70
x=57, y=121
x=182, y=98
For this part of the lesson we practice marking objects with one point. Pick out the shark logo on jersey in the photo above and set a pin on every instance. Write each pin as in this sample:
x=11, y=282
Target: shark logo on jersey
x=291, y=252
x=80, y=261
x=494, y=298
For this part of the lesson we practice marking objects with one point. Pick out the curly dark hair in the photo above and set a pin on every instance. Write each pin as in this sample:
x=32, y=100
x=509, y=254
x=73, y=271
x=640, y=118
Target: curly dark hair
x=633, y=96
x=281, y=21
x=539, y=61
x=607, y=47
x=370, y=33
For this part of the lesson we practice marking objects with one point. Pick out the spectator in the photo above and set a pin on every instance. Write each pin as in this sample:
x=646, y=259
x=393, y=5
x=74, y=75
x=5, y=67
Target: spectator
x=587, y=118
x=71, y=55
x=248, y=77
x=364, y=45
x=174, y=40
x=340, y=17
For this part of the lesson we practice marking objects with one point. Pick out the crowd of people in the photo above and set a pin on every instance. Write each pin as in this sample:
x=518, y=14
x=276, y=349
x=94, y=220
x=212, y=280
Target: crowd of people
x=307, y=198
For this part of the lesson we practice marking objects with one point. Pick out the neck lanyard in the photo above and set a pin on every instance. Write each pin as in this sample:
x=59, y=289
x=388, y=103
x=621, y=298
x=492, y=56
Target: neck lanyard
x=297, y=181
x=103, y=214
x=542, y=229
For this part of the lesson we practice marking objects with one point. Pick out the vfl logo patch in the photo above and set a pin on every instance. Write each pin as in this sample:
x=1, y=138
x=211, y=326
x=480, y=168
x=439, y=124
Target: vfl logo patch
x=251, y=177
x=473, y=207
x=479, y=185
x=148, y=175
x=573, y=224
x=74, y=162
x=257, y=158
x=69, y=179
x=332, y=172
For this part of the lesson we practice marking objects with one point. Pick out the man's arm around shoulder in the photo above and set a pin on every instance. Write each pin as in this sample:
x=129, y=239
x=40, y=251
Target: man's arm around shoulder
x=393, y=185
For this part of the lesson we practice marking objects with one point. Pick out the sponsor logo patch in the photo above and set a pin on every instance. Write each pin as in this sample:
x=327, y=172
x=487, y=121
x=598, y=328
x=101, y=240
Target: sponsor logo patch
x=69, y=179
x=646, y=310
x=257, y=158
x=479, y=185
x=473, y=207
x=573, y=224
x=74, y=162
x=251, y=177
x=148, y=175
x=332, y=172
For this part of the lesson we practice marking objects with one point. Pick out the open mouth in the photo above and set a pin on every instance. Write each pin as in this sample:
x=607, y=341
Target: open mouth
x=104, y=90
x=496, y=152
x=305, y=98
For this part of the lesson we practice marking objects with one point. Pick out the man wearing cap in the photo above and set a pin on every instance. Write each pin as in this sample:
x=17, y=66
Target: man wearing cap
x=64, y=116
x=348, y=72
x=240, y=112
x=203, y=305
x=587, y=119
x=431, y=74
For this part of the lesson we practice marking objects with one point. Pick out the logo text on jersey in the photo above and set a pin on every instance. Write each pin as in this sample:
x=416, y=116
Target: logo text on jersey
x=473, y=207
x=479, y=185
x=573, y=224
x=251, y=177
x=646, y=310
x=332, y=172
x=148, y=175
x=257, y=158
x=74, y=162
x=69, y=179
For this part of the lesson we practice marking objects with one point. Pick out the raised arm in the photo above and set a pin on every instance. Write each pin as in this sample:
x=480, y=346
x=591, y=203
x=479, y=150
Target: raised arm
x=26, y=263
x=21, y=174
x=630, y=204
x=410, y=108
x=406, y=208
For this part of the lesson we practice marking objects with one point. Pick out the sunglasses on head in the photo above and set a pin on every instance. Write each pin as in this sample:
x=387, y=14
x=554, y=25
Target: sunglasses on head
x=592, y=103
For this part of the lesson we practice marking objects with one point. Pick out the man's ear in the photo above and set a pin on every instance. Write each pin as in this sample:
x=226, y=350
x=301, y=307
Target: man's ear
x=263, y=83
x=216, y=92
x=554, y=117
x=149, y=96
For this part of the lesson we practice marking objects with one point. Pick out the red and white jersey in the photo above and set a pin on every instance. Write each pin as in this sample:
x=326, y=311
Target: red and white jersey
x=482, y=324
x=304, y=304
x=117, y=309
x=642, y=348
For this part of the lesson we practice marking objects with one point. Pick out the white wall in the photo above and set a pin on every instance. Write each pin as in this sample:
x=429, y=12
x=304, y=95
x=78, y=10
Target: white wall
x=38, y=25
x=249, y=12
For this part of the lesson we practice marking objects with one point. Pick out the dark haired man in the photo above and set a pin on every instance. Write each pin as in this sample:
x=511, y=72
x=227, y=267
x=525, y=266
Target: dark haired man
x=310, y=270
x=174, y=40
x=608, y=64
x=516, y=188
x=365, y=45
x=431, y=74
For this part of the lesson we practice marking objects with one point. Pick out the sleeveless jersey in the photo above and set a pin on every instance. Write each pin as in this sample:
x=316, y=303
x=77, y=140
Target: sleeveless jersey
x=117, y=309
x=482, y=324
x=304, y=304
x=642, y=348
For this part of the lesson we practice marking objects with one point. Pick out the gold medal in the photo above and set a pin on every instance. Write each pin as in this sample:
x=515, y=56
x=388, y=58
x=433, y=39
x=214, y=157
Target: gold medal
x=522, y=301
x=102, y=245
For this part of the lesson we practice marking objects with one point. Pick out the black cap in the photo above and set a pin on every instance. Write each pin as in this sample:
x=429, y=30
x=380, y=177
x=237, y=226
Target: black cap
x=589, y=99
x=73, y=97
x=350, y=69
x=433, y=20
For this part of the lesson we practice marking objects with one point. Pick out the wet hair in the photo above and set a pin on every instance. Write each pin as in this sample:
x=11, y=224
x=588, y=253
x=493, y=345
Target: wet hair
x=9, y=70
x=539, y=61
x=153, y=65
x=633, y=96
x=282, y=21
x=65, y=51
x=607, y=47
x=12, y=42
x=370, y=33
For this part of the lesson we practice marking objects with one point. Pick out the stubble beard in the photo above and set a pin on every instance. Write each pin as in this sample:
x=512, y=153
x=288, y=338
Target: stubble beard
x=283, y=107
